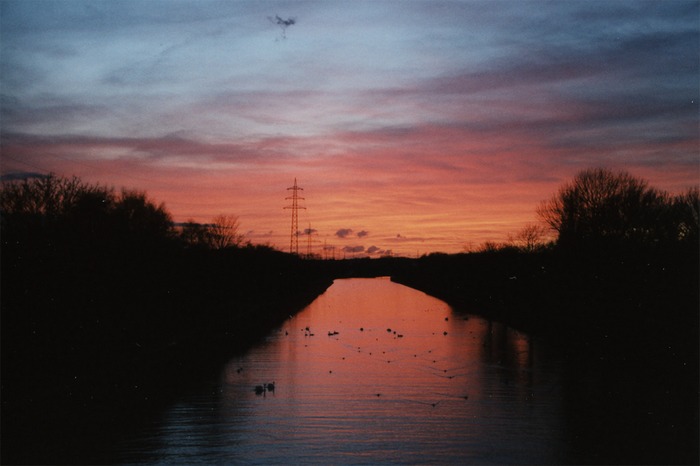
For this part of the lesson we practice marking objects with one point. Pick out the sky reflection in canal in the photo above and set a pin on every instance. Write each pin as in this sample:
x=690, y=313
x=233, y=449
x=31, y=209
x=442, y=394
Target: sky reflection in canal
x=404, y=380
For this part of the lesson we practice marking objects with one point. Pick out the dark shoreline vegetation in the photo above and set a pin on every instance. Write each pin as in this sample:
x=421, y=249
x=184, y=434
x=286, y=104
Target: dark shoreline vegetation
x=627, y=327
x=108, y=312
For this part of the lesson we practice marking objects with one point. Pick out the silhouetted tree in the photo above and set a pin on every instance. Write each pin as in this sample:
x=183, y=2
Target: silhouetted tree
x=196, y=234
x=56, y=208
x=138, y=217
x=600, y=205
x=530, y=238
x=90, y=215
x=38, y=211
x=492, y=246
x=43, y=199
x=224, y=232
x=686, y=214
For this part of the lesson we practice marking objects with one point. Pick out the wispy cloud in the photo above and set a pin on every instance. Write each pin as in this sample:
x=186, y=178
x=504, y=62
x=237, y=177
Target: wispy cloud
x=447, y=122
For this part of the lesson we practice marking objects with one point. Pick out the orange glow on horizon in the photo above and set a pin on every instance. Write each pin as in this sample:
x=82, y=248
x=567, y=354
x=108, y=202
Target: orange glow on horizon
x=433, y=190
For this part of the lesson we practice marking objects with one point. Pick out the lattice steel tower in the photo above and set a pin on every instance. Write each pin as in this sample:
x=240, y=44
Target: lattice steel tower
x=294, y=237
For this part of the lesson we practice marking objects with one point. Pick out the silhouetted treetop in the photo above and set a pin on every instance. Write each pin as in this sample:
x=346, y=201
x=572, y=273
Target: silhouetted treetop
x=58, y=208
x=47, y=196
x=602, y=206
x=225, y=232
x=686, y=212
x=139, y=216
x=194, y=234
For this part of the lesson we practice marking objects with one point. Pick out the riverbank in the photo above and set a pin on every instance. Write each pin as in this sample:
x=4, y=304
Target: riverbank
x=98, y=342
x=627, y=324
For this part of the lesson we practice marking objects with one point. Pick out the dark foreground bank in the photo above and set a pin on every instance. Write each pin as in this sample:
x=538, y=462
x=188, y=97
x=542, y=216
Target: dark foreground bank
x=627, y=322
x=97, y=342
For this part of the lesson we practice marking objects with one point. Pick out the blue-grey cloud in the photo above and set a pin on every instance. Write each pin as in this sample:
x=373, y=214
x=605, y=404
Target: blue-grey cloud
x=353, y=249
x=343, y=232
x=362, y=234
x=19, y=176
x=162, y=147
x=50, y=114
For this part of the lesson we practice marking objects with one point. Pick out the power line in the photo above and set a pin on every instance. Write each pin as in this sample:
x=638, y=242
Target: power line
x=25, y=163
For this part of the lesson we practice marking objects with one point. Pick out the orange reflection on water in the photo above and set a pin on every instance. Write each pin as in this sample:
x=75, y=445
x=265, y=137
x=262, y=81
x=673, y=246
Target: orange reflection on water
x=386, y=341
x=382, y=371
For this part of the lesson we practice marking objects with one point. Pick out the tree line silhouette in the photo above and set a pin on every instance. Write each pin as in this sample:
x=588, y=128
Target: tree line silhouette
x=617, y=293
x=109, y=309
x=107, y=305
x=604, y=209
x=74, y=212
x=598, y=209
x=601, y=209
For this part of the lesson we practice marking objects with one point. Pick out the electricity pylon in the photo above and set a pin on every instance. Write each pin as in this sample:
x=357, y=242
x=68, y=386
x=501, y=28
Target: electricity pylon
x=309, y=234
x=294, y=237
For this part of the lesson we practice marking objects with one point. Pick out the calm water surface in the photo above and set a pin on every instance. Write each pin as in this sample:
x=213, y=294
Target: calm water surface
x=372, y=372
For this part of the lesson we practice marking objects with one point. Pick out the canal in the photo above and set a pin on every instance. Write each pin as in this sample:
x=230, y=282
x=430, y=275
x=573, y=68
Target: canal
x=371, y=372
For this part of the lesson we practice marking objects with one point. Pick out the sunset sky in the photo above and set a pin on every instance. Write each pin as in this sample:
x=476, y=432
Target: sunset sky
x=413, y=126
